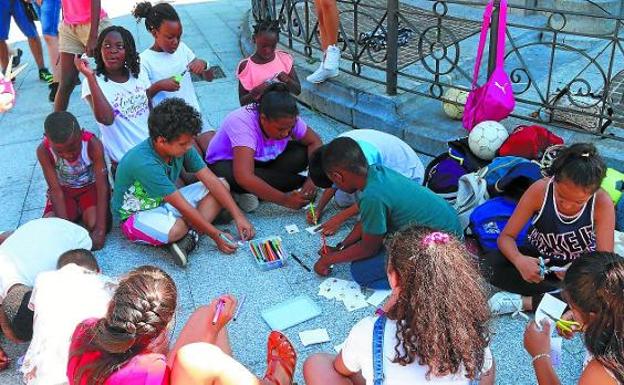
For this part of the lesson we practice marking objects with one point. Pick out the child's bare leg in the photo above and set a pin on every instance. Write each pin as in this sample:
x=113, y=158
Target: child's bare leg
x=37, y=50
x=89, y=218
x=208, y=207
x=178, y=230
x=4, y=55
x=6, y=328
x=69, y=74
x=318, y=369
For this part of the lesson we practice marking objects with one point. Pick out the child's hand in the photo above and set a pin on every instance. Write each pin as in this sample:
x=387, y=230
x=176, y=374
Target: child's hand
x=310, y=218
x=258, y=90
x=227, y=310
x=82, y=65
x=322, y=268
x=245, y=229
x=295, y=200
x=308, y=189
x=537, y=341
x=197, y=66
x=568, y=316
x=98, y=238
x=226, y=246
x=331, y=226
x=169, y=85
x=560, y=274
x=91, y=46
x=283, y=77
x=529, y=268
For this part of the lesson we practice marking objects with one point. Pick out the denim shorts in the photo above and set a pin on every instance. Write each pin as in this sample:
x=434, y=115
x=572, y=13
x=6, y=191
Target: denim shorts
x=49, y=14
x=16, y=9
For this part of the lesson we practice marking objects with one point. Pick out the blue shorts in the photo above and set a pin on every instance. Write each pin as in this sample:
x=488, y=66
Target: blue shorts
x=49, y=14
x=371, y=272
x=16, y=9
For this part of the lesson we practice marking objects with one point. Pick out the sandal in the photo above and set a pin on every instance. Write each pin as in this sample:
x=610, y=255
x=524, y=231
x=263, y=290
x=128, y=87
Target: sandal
x=4, y=360
x=280, y=352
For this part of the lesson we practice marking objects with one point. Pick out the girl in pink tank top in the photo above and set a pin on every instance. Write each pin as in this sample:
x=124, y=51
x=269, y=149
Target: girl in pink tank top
x=266, y=66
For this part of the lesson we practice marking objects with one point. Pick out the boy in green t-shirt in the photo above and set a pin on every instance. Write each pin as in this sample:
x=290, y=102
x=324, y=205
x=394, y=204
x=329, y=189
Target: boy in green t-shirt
x=148, y=203
x=388, y=202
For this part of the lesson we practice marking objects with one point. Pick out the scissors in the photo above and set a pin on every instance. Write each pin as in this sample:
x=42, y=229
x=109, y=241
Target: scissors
x=178, y=78
x=563, y=325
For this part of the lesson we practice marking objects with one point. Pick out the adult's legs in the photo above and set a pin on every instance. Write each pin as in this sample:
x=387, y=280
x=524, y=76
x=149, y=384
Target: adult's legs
x=37, y=51
x=318, y=369
x=327, y=12
x=4, y=55
x=69, y=75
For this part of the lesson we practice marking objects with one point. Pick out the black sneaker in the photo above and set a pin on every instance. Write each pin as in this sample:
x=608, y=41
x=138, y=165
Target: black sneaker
x=17, y=59
x=53, y=88
x=180, y=250
x=45, y=75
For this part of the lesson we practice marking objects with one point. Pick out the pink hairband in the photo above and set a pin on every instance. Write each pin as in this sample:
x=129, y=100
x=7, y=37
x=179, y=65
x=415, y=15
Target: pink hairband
x=436, y=238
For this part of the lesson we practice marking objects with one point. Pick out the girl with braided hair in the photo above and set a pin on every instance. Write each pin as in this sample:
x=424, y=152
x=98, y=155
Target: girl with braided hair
x=436, y=321
x=594, y=288
x=117, y=92
x=266, y=66
x=130, y=345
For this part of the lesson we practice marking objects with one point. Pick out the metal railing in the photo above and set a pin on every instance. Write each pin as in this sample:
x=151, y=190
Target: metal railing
x=566, y=65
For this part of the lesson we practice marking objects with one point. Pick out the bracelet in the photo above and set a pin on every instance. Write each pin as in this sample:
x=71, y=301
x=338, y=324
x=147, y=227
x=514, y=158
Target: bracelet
x=537, y=357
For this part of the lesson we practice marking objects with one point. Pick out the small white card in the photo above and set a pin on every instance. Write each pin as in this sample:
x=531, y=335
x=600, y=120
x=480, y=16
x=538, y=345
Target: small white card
x=550, y=305
x=291, y=229
x=314, y=336
x=313, y=229
x=555, y=350
x=378, y=297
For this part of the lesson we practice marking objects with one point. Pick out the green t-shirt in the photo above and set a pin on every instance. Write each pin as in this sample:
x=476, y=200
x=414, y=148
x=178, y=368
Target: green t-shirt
x=143, y=178
x=392, y=202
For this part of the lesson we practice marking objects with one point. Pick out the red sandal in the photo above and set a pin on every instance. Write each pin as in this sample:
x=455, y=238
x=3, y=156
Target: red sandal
x=280, y=352
x=4, y=360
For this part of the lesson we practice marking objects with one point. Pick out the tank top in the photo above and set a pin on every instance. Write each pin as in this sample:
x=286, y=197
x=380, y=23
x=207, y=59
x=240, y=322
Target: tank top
x=561, y=238
x=78, y=173
x=255, y=74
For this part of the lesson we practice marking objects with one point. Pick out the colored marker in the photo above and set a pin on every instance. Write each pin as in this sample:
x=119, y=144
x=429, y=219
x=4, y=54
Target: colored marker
x=218, y=312
x=313, y=213
x=228, y=240
x=240, y=305
x=300, y=262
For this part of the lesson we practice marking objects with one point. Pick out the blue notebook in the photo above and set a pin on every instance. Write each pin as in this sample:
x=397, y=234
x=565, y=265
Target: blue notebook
x=291, y=312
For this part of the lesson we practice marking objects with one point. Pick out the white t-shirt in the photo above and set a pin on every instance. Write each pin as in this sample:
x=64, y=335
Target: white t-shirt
x=357, y=354
x=389, y=151
x=164, y=65
x=131, y=109
x=61, y=299
x=35, y=247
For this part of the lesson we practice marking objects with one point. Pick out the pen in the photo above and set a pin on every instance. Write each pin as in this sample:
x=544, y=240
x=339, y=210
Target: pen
x=218, y=312
x=300, y=262
x=240, y=305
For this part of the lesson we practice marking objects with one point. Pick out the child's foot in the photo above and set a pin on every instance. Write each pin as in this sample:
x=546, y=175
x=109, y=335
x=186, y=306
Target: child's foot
x=247, y=202
x=504, y=302
x=281, y=360
x=53, y=88
x=45, y=75
x=180, y=250
x=17, y=59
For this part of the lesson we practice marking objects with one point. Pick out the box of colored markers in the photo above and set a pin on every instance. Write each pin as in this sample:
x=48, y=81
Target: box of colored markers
x=268, y=252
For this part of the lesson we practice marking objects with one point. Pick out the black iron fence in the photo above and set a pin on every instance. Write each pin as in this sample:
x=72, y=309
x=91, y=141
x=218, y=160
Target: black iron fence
x=565, y=59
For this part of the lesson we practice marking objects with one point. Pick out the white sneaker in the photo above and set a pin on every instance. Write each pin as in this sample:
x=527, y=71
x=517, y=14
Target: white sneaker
x=332, y=58
x=247, y=202
x=322, y=74
x=504, y=302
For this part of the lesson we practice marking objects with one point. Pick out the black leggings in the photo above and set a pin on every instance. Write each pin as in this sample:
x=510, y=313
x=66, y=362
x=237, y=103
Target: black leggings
x=501, y=273
x=281, y=173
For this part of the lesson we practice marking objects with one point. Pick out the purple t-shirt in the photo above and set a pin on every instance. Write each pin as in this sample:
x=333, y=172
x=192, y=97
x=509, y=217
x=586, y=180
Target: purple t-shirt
x=241, y=128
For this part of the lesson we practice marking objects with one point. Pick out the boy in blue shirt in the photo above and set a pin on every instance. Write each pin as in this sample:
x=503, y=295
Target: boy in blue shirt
x=388, y=202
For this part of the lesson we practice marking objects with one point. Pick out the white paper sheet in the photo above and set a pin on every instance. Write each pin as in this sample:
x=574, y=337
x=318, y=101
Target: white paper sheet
x=314, y=336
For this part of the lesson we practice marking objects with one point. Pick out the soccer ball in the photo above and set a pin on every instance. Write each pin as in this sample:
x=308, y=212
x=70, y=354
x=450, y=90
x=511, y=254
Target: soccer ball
x=486, y=138
x=454, y=111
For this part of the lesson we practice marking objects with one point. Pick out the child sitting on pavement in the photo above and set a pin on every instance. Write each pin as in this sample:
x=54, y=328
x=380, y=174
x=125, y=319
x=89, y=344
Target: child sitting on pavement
x=74, y=168
x=60, y=300
x=378, y=148
x=570, y=215
x=434, y=326
x=388, y=202
x=267, y=65
x=31, y=249
x=169, y=63
x=146, y=200
x=594, y=289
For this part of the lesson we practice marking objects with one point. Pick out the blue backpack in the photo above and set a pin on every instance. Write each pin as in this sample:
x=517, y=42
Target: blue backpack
x=488, y=220
x=511, y=176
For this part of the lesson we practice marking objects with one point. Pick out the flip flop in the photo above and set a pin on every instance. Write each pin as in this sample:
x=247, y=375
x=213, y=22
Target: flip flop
x=4, y=360
x=280, y=351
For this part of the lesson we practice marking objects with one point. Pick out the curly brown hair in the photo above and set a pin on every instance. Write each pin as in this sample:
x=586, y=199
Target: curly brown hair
x=441, y=313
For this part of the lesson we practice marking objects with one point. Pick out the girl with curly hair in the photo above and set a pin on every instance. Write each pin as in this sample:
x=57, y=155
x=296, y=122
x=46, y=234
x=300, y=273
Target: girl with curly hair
x=117, y=92
x=129, y=345
x=594, y=289
x=436, y=321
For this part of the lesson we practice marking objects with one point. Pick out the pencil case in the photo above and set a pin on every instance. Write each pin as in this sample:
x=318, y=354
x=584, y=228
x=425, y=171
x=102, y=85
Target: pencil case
x=268, y=252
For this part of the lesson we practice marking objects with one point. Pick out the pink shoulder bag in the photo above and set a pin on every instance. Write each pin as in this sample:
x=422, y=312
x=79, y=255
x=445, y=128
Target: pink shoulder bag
x=494, y=100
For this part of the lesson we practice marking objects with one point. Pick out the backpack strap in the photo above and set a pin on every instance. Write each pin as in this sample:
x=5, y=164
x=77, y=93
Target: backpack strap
x=378, y=337
x=485, y=27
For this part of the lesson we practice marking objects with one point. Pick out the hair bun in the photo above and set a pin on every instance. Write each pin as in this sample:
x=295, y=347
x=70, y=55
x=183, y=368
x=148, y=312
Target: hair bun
x=141, y=10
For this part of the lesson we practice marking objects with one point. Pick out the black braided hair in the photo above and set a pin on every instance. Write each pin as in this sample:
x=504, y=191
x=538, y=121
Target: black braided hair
x=154, y=14
x=132, y=62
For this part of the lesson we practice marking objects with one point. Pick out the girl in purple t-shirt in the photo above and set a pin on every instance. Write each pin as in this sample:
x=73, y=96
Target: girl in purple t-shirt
x=261, y=149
